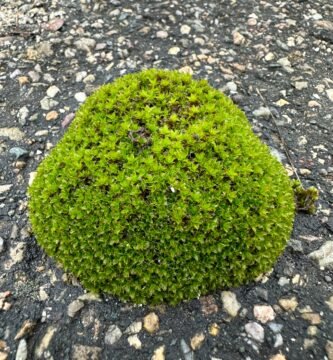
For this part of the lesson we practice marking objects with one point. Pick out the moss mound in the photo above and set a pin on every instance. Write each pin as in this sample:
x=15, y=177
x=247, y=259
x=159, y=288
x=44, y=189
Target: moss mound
x=159, y=192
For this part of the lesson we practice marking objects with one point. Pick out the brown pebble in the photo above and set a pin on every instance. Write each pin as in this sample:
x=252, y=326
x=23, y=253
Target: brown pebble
x=52, y=115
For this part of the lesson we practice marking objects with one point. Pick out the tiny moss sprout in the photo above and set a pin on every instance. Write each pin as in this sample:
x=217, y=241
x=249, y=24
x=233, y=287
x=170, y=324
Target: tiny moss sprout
x=159, y=191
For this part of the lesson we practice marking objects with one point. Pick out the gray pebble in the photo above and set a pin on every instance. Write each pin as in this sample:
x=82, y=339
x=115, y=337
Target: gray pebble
x=18, y=153
x=2, y=244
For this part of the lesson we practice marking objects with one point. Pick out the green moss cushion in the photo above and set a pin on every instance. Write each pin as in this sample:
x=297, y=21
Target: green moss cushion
x=159, y=192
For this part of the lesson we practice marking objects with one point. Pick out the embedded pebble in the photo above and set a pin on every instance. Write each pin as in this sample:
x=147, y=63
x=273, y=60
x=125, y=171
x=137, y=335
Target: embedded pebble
x=289, y=304
x=52, y=91
x=162, y=34
x=255, y=331
x=134, y=341
x=134, y=328
x=262, y=112
x=47, y=103
x=174, y=50
x=151, y=323
x=159, y=353
x=230, y=303
x=22, y=350
x=324, y=255
x=112, y=335
x=81, y=352
x=74, y=307
x=185, y=29
x=263, y=313
x=197, y=341
x=238, y=38
x=80, y=97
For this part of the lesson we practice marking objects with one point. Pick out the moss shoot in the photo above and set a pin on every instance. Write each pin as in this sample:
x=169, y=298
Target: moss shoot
x=160, y=192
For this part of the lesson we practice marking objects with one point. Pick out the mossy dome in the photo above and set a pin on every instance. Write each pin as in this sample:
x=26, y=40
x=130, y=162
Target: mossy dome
x=160, y=192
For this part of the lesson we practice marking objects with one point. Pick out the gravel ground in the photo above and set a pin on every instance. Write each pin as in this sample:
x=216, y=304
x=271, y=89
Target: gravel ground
x=274, y=58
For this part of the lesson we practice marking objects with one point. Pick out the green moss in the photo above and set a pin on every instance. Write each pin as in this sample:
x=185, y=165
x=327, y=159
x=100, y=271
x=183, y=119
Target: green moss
x=305, y=199
x=159, y=192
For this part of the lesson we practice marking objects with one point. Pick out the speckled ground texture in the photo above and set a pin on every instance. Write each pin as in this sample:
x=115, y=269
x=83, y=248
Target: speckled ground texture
x=55, y=53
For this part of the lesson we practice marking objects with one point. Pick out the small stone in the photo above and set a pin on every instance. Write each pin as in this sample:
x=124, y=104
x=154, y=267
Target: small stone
x=308, y=343
x=22, y=115
x=34, y=76
x=43, y=295
x=329, y=349
x=285, y=63
x=255, y=331
x=45, y=342
x=22, y=351
x=289, y=304
x=329, y=302
x=4, y=188
x=185, y=29
x=300, y=85
x=324, y=255
x=54, y=25
x=2, y=244
x=231, y=87
x=197, y=341
x=32, y=177
x=312, y=330
x=134, y=328
x=262, y=112
x=186, y=70
x=151, y=323
x=270, y=56
x=263, y=313
x=199, y=41
x=52, y=91
x=85, y=44
x=161, y=34
x=208, y=305
x=18, y=153
x=12, y=133
x=159, y=353
x=278, y=340
x=275, y=327
x=89, y=79
x=313, y=318
x=296, y=279
x=174, y=50
x=252, y=22
x=89, y=297
x=214, y=329
x=304, y=171
x=329, y=93
x=278, y=357
x=80, y=97
x=134, y=341
x=186, y=350
x=41, y=133
x=81, y=352
x=112, y=335
x=313, y=103
x=47, y=103
x=74, y=307
x=238, y=38
x=23, y=80
x=3, y=355
x=67, y=120
x=52, y=115
x=25, y=329
x=230, y=303
x=16, y=253
x=282, y=102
